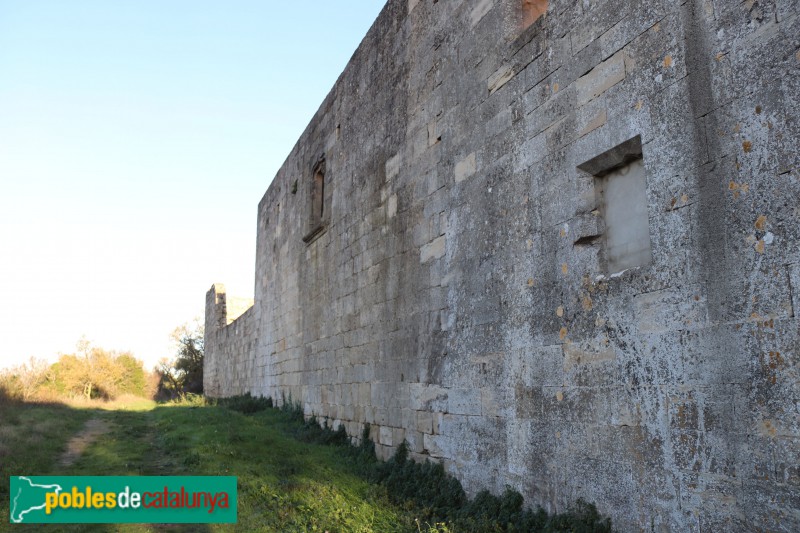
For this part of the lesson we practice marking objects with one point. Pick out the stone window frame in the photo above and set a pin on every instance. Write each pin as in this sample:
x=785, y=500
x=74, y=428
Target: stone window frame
x=599, y=168
x=318, y=210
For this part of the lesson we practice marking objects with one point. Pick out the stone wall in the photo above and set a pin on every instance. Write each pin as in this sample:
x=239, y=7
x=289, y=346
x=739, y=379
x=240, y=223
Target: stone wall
x=453, y=289
x=230, y=345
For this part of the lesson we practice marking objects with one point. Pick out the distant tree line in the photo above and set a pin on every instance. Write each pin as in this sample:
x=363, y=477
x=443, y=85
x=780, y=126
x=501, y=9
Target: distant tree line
x=93, y=373
x=90, y=373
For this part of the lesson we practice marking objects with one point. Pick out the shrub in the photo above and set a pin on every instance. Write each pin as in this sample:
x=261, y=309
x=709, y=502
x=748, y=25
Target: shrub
x=427, y=489
x=426, y=485
x=294, y=410
x=246, y=403
x=24, y=381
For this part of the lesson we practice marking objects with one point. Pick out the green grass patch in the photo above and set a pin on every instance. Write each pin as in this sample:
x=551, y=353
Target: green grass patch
x=32, y=437
x=293, y=475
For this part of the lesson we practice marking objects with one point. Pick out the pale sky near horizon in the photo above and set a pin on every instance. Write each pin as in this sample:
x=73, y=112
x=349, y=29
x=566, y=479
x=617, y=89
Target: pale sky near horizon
x=136, y=139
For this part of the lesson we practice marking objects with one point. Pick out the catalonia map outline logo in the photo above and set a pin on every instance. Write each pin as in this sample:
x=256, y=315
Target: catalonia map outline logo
x=19, y=509
x=123, y=499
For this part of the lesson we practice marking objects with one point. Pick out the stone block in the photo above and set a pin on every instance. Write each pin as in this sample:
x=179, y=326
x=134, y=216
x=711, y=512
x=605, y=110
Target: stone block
x=601, y=78
x=433, y=250
x=500, y=78
x=794, y=280
x=391, y=206
x=464, y=401
x=424, y=422
x=415, y=441
x=398, y=436
x=679, y=306
x=465, y=168
x=385, y=435
x=433, y=443
x=480, y=10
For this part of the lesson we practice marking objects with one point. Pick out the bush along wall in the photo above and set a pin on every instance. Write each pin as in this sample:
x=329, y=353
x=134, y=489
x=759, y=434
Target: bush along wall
x=433, y=494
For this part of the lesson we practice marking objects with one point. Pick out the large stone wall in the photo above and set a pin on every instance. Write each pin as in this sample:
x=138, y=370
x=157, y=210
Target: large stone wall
x=453, y=290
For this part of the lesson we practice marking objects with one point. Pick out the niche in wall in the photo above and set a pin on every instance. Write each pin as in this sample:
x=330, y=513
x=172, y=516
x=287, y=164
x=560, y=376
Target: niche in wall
x=620, y=180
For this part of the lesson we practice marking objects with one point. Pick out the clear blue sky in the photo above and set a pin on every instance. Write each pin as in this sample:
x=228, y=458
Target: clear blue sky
x=136, y=139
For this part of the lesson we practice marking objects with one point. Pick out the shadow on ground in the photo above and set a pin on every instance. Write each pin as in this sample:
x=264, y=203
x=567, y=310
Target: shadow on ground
x=51, y=438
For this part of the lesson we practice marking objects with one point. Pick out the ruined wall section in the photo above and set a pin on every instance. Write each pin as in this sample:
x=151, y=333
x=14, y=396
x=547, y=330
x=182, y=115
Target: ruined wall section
x=457, y=294
x=231, y=333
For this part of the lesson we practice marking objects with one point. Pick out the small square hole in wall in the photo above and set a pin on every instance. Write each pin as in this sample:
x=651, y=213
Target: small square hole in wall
x=621, y=190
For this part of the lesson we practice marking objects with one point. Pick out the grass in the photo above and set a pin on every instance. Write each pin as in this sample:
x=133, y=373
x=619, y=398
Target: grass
x=293, y=476
x=284, y=484
x=32, y=436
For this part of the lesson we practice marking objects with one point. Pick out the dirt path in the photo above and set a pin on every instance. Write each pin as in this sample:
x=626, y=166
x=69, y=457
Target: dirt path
x=93, y=428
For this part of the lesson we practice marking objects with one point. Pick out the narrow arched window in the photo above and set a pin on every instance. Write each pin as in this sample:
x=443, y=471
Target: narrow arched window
x=317, y=201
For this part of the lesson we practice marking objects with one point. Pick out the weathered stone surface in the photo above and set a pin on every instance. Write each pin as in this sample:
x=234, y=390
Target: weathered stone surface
x=500, y=78
x=465, y=168
x=601, y=78
x=457, y=295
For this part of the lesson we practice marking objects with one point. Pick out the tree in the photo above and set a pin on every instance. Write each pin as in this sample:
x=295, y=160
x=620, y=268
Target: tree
x=184, y=373
x=25, y=380
x=134, y=378
x=86, y=372
x=75, y=376
x=98, y=373
x=168, y=384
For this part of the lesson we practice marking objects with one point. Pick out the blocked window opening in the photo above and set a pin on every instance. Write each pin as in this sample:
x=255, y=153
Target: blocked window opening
x=623, y=194
x=316, y=225
x=621, y=191
x=317, y=196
